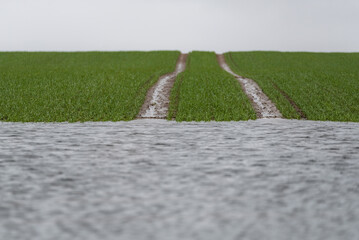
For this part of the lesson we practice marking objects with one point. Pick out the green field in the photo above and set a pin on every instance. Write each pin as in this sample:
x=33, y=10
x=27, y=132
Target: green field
x=205, y=92
x=111, y=86
x=325, y=86
x=82, y=86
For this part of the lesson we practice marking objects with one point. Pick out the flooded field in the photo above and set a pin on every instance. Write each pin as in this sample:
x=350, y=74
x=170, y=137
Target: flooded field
x=154, y=179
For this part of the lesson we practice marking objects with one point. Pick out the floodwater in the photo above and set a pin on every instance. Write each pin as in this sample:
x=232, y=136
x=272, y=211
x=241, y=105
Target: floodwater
x=153, y=179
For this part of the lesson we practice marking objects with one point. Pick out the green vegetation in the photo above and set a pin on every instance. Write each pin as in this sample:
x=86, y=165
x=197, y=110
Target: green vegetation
x=82, y=86
x=205, y=92
x=325, y=86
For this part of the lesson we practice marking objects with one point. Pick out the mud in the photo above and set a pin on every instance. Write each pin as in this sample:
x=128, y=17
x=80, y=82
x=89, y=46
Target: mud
x=262, y=105
x=157, y=99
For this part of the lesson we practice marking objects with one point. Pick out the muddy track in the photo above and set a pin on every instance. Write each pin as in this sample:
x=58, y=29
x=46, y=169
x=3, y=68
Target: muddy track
x=157, y=99
x=290, y=100
x=262, y=105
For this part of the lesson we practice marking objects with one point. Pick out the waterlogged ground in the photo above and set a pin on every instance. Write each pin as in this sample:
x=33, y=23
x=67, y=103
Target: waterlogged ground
x=153, y=179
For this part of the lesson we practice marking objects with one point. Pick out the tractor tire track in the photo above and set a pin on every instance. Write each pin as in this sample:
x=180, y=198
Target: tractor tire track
x=302, y=115
x=157, y=99
x=262, y=105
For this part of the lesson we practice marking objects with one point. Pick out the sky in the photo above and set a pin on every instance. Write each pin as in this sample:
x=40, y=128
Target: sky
x=186, y=25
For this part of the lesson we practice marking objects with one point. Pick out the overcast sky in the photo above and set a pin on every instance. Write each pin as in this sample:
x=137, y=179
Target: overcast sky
x=216, y=25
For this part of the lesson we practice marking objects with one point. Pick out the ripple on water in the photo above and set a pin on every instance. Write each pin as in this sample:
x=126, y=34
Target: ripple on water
x=153, y=179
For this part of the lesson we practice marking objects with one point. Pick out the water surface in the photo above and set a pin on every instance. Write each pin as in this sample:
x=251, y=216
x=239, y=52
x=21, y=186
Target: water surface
x=154, y=179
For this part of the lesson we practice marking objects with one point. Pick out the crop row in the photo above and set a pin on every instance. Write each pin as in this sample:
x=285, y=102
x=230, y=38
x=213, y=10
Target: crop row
x=205, y=92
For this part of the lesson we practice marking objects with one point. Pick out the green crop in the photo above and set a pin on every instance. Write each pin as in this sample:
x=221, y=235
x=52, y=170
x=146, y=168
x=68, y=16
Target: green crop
x=205, y=92
x=82, y=86
x=323, y=86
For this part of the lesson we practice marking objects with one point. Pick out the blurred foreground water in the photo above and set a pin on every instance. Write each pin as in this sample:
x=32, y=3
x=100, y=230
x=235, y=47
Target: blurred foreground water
x=154, y=179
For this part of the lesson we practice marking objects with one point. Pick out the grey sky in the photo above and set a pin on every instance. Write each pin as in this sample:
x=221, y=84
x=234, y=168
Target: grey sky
x=218, y=25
